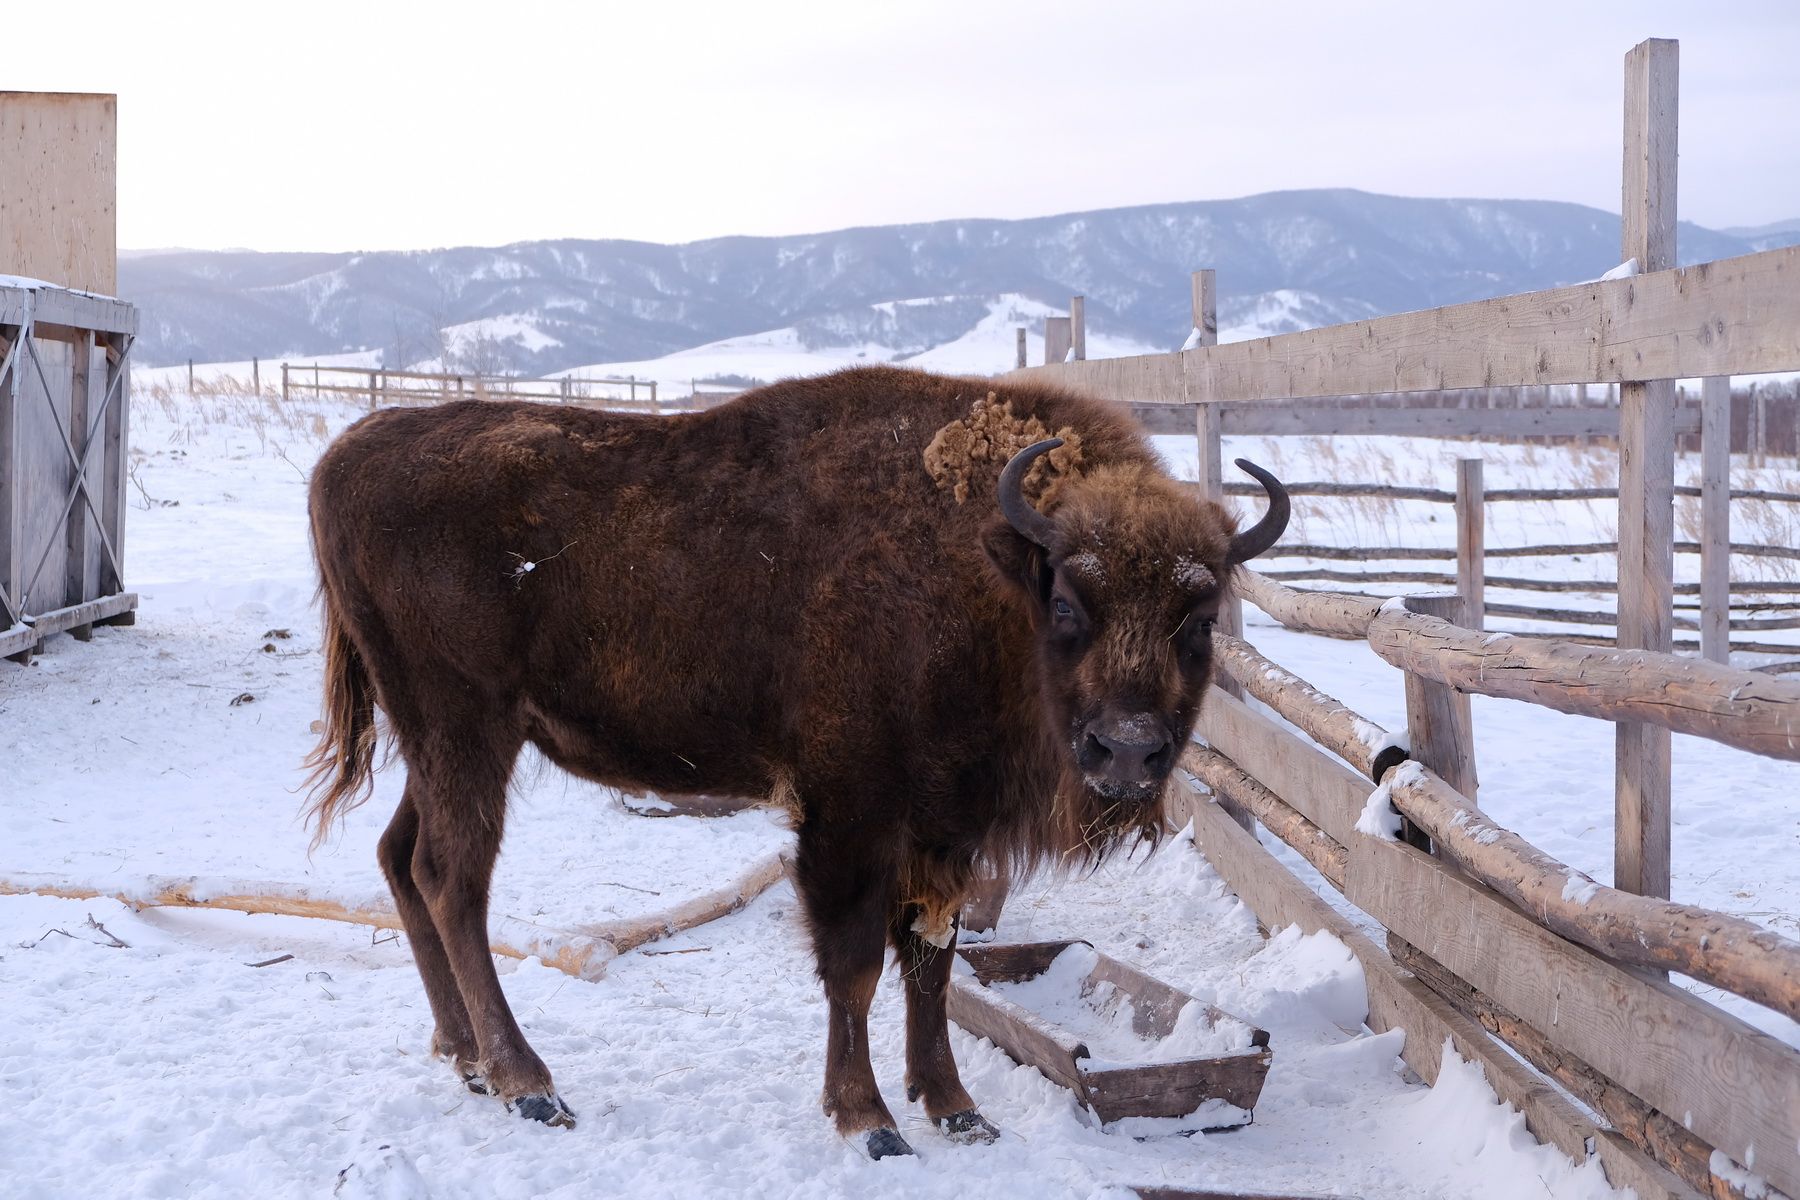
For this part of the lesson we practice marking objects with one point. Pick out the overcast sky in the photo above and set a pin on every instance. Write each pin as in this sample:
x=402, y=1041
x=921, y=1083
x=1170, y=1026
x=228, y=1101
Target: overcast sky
x=378, y=125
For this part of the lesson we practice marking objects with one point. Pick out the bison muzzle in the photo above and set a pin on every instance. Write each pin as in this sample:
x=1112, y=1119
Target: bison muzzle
x=953, y=626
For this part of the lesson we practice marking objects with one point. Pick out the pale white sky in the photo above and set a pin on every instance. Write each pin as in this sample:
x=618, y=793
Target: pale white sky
x=379, y=125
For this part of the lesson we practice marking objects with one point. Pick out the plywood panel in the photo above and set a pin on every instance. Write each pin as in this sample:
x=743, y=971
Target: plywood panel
x=58, y=185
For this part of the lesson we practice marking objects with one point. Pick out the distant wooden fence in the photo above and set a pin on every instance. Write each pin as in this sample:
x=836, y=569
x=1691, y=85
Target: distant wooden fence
x=379, y=386
x=64, y=411
x=1493, y=947
x=1714, y=621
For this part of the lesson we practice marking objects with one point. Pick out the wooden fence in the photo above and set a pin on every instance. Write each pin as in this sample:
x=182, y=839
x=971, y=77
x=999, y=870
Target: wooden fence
x=64, y=410
x=1760, y=610
x=380, y=386
x=1550, y=980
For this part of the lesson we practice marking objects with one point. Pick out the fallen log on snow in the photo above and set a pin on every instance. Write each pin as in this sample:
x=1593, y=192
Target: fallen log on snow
x=582, y=952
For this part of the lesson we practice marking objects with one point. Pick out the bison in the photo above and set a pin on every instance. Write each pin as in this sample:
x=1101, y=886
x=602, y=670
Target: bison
x=952, y=626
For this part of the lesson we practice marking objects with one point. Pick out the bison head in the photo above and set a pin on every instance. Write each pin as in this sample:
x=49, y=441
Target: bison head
x=1123, y=581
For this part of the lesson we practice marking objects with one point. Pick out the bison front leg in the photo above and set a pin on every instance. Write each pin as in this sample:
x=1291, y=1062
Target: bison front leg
x=846, y=905
x=931, y=1073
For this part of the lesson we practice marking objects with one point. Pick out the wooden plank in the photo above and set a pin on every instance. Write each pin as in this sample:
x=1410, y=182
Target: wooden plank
x=86, y=613
x=1179, y=1193
x=1204, y=304
x=1324, y=613
x=1024, y=1035
x=1650, y=1131
x=58, y=188
x=1646, y=524
x=1438, y=721
x=1320, y=788
x=1229, y=782
x=1270, y=420
x=1715, y=519
x=1327, y=720
x=1432, y=553
x=1209, y=482
x=1057, y=339
x=1737, y=708
x=1021, y=361
x=1736, y=316
x=12, y=551
x=115, y=449
x=1471, y=543
x=76, y=587
x=1732, y=1085
x=1398, y=1001
x=1729, y=952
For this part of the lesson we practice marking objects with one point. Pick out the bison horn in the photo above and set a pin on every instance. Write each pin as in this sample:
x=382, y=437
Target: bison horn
x=1259, y=537
x=1031, y=523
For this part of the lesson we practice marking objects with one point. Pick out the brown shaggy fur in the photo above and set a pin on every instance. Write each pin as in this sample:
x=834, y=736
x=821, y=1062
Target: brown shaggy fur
x=805, y=594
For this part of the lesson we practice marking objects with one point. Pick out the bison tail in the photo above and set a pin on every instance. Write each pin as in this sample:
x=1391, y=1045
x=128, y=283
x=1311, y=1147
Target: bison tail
x=342, y=765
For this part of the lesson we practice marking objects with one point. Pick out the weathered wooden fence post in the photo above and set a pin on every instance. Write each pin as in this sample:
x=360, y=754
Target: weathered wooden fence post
x=190, y=376
x=1715, y=519
x=1078, y=327
x=1056, y=339
x=1438, y=722
x=284, y=383
x=256, y=375
x=1646, y=473
x=371, y=391
x=1020, y=361
x=1205, y=307
x=1471, y=543
x=1209, y=472
x=75, y=529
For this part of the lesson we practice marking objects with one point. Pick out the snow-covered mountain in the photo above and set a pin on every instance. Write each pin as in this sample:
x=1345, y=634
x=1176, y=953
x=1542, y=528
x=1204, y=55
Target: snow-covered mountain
x=1286, y=260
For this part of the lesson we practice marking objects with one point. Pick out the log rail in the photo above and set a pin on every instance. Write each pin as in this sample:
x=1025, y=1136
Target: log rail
x=1533, y=953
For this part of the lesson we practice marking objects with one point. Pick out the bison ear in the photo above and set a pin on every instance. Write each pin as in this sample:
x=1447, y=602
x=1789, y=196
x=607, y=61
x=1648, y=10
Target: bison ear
x=1020, y=561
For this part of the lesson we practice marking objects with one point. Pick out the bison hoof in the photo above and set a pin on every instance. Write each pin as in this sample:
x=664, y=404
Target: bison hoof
x=884, y=1142
x=549, y=1109
x=473, y=1079
x=968, y=1128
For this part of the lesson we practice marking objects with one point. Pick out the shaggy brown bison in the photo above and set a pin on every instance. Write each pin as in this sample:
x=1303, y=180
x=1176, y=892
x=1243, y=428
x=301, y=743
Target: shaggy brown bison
x=828, y=593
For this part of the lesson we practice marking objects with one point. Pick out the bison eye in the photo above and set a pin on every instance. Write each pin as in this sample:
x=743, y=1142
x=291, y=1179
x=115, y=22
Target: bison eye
x=1062, y=608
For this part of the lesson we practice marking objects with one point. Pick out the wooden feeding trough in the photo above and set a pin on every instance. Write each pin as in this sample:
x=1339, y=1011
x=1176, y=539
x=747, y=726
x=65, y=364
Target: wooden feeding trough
x=1143, y=1081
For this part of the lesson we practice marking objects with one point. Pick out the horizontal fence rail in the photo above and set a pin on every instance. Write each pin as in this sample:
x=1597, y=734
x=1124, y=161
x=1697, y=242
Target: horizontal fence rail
x=1629, y=1045
x=1737, y=316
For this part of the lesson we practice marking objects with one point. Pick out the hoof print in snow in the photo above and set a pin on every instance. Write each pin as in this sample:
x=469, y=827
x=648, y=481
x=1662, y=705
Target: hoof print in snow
x=381, y=1173
x=969, y=1128
x=548, y=1109
x=883, y=1143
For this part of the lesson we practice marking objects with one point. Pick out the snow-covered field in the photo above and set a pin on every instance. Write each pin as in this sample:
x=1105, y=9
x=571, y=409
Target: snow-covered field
x=170, y=1067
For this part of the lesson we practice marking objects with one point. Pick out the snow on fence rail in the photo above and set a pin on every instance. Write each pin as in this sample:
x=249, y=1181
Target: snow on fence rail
x=1487, y=931
x=64, y=400
x=1493, y=947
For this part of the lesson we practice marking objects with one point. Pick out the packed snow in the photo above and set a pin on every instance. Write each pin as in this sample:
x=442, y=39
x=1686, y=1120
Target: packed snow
x=169, y=1065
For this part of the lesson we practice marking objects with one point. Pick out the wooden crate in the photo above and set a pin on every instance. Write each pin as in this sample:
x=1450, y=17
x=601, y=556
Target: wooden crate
x=64, y=446
x=1163, y=1089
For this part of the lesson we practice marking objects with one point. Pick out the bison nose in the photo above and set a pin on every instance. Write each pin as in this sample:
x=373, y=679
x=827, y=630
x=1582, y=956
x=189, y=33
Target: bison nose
x=1130, y=752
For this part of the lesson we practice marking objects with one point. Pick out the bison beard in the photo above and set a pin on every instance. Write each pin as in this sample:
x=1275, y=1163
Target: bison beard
x=882, y=599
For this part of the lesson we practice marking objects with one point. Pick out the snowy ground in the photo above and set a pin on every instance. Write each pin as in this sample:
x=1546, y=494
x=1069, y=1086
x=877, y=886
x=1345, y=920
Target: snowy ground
x=169, y=1067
